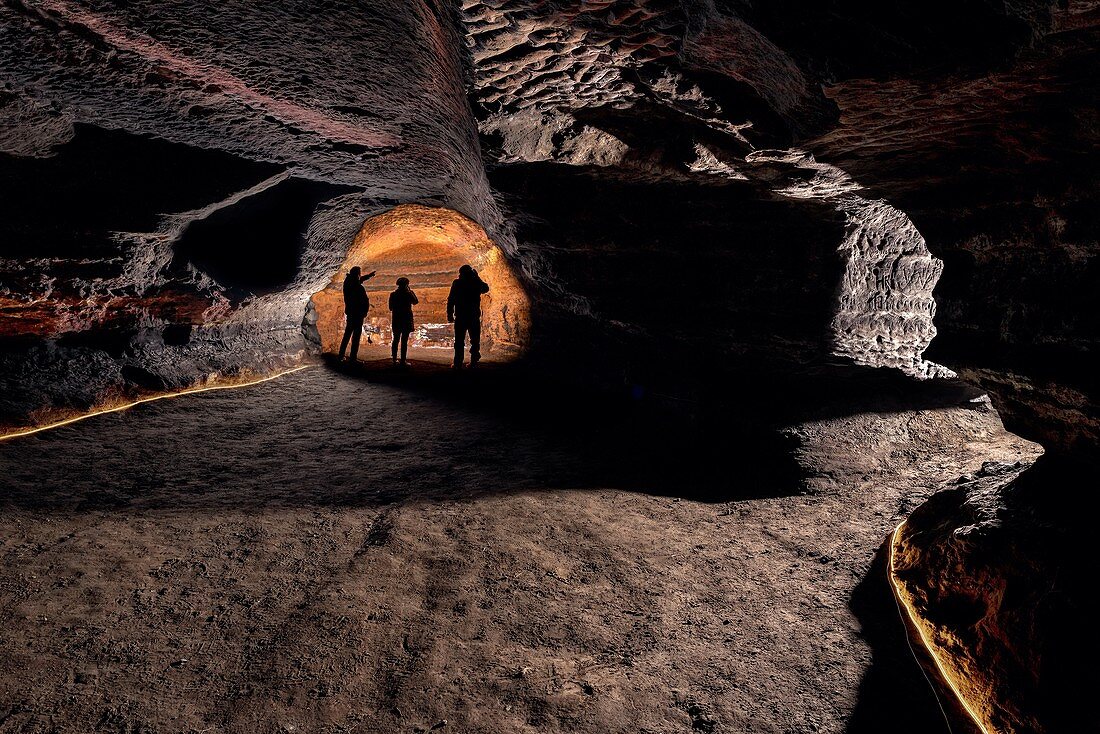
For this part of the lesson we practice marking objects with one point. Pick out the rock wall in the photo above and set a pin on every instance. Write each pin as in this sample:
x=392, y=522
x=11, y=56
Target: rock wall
x=371, y=107
x=182, y=178
x=995, y=167
x=883, y=311
x=999, y=576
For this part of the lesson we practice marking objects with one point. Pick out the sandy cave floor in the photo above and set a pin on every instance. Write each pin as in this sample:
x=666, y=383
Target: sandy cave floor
x=326, y=554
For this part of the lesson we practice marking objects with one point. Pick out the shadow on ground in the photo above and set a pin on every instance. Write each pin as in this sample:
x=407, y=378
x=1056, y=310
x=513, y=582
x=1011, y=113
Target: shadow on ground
x=374, y=434
x=894, y=695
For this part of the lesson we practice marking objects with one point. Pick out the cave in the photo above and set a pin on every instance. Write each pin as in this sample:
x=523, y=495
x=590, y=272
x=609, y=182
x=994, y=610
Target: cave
x=788, y=419
x=427, y=245
x=254, y=245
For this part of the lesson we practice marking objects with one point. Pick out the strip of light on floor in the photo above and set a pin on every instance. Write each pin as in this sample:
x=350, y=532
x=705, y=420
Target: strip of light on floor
x=915, y=622
x=149, y=399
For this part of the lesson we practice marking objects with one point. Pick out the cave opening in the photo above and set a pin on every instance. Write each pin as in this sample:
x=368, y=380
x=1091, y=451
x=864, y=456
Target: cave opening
x=254, y=246
x=427, y=245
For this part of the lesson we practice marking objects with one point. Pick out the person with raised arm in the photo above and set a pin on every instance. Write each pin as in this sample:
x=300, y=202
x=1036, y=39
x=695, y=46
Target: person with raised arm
x=464, y=311
x=356, y=306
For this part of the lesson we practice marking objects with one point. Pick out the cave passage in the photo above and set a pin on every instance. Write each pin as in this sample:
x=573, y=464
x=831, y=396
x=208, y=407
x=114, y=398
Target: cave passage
x=255, y=246
x=427, y=245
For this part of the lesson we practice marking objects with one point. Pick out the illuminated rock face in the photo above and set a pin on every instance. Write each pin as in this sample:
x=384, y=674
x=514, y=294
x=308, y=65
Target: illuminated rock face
x=994, y=169
x=186, y=178
x=998, y=571
x=883, y=312
x=427, y=245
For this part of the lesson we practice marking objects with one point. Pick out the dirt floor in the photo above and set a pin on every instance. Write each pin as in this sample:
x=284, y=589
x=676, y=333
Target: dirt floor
x=325, y=553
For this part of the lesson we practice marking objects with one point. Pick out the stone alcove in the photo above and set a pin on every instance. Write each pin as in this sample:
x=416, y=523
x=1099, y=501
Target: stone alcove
x=427, y=245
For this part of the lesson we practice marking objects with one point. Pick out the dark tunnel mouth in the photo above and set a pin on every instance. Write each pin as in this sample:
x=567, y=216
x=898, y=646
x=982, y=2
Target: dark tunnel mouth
x=254, y=246
x=97, y=184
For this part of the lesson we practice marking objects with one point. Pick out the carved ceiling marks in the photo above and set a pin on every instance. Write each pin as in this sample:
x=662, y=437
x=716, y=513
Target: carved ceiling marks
x=540, y=66
x=565, y=55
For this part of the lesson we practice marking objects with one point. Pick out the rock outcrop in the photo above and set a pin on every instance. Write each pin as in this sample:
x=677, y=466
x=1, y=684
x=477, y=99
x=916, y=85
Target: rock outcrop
x=725, y=205
x=995, y=167
x=1000, y=577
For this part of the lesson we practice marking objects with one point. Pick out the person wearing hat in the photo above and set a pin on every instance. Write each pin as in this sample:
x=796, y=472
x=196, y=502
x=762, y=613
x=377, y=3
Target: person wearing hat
x=402, y=301
x=356, y=306
x=464, y=311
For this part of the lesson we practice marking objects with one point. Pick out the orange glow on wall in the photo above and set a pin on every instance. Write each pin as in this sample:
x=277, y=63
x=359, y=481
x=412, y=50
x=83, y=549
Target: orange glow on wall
x=427, y=245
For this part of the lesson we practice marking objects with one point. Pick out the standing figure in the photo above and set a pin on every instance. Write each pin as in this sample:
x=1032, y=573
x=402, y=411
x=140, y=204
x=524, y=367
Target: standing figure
x=356, y=305
x=464, y=311
x=402, y=301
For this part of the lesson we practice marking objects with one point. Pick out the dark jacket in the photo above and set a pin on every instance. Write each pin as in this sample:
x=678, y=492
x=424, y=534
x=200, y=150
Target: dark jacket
x=402, y=301
x=356, y=302
x=464, y=302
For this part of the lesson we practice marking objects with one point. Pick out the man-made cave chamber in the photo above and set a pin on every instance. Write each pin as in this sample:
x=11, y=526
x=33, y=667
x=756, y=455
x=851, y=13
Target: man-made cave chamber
x=427, y=245
x=857, y=235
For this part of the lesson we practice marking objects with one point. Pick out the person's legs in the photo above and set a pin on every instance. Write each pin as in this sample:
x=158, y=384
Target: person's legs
x=475, y=341
x=393, y=346
x=348, y=331
x=460, y=342
x=404, y=346
x=357, y=331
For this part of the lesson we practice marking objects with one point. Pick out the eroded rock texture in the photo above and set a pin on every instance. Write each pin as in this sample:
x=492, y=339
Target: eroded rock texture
x=727, y=205
x=996, y=169
x=1000, y=574
x=267, y=156
x=182, y=178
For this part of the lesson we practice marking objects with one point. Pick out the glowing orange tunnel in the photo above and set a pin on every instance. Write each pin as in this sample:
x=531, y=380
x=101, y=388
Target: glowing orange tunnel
x=427, y=245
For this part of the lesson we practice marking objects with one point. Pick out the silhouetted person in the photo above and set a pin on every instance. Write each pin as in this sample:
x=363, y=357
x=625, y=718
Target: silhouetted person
x=402, y=301
x=464, y=310
x=356, y=305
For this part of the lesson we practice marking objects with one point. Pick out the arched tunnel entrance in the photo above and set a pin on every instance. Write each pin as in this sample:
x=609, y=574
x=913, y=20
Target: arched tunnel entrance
x=427, y=245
